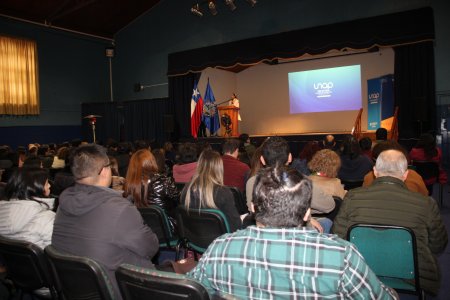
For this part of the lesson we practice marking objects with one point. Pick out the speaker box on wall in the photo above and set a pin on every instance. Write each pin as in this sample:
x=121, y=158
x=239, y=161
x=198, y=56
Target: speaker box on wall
x=168, y=123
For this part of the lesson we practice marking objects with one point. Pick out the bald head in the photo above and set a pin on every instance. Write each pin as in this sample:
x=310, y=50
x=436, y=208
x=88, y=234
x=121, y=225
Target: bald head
x=391, y=163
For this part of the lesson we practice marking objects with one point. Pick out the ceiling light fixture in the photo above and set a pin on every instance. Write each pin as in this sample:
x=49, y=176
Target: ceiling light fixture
x=230, y=4
x=252, y=2
x=212, y=7
x=196, y=10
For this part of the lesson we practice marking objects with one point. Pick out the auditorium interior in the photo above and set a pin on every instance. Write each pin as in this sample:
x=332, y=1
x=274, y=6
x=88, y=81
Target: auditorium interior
x=133, y=65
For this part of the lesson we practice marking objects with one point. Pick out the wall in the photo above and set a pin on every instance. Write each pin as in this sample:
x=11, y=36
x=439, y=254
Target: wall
x=72, y=69
x=169, y=27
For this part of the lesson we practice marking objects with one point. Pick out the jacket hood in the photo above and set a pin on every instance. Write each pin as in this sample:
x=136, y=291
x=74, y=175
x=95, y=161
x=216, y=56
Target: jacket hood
x=16, y=214
x=81, y=199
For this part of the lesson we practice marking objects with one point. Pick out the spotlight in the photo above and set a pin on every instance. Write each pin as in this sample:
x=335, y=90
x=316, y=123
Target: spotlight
x=230, y=4
x=212, y=7
x=196, y=10
x=252, y=2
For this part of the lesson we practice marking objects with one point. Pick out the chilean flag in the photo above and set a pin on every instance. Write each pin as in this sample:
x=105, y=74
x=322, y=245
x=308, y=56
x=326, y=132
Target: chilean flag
x=196, y=110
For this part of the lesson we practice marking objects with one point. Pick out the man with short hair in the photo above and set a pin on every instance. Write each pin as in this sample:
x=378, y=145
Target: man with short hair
x=276, y=152
x=234, y=171
x=97, y=222
x=279, y=257
x=388, y=201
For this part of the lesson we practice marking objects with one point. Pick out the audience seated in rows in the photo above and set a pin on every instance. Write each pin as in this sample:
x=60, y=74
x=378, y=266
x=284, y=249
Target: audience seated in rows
x=279, y=257
x=27, y=214
x=275, y=152
x=305, y=156
x=187, y=163
x=426, y=150
x=234, y=171
x=354, y=165
x=207, y=190
x=388, y=201
x=413, y=181
x=145, y=186
x=95, y=221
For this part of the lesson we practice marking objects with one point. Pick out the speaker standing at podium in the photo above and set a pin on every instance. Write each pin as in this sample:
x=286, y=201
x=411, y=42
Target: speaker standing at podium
x=235, y=102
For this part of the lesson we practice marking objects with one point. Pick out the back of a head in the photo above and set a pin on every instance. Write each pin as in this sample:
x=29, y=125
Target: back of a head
x=88, y=160
x=428, y=143
x=391, y=163
x=187, y=153
x=365, y=143
x=381, y=134
x=309, y=150
x=244, y=137
x=281, y=197
x=350, y=147
x=32, y=162
x=160, y=158
x=387, y=145
x=325, y=161
x=329, y=141
x=27, y=183
x=230, y=145
x=208, y=174
x=275, y=151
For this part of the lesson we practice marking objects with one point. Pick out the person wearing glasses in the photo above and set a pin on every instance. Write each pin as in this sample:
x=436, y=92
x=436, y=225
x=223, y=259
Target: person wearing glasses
x=95, y=221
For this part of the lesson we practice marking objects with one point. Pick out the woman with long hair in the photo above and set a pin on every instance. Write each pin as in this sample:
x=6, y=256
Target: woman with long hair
x=27, y=213
x=206, y=189
x=145, y=186
x=354, y=165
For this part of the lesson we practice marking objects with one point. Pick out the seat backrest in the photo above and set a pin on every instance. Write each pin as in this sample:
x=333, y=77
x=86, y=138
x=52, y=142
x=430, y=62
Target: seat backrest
x=201, y=227
x=137, y=283
x=239, y=200
x=427, y=169
x=156, y=218
x=352, y=184
x=390, y=251
x=78, y=277
x=26, y=264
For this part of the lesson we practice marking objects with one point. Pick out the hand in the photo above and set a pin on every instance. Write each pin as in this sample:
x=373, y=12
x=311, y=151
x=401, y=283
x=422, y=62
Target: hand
x=314, y=223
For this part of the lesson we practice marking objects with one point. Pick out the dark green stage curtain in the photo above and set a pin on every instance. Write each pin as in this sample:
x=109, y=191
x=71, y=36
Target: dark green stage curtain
x=107, y=126
x=415, y=89
x=179, y=104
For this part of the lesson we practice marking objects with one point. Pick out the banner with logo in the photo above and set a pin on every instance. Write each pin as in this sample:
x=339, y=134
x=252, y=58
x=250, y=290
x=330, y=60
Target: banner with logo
x=380, y=106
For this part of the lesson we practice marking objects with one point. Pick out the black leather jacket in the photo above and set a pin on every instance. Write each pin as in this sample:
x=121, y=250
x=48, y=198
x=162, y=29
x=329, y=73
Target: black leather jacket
x=163, y=192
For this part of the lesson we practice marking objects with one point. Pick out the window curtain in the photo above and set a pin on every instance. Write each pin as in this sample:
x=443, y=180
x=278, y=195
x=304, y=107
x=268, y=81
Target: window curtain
x=19, y=93
x=415, y=89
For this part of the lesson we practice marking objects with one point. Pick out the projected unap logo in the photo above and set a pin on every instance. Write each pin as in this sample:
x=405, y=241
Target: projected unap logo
x=323, y=89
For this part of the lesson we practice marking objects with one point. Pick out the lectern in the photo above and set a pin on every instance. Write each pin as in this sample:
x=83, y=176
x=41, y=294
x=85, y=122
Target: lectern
x=232, y=112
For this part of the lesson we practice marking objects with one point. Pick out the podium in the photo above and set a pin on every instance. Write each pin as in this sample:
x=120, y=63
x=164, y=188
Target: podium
x=232, y=112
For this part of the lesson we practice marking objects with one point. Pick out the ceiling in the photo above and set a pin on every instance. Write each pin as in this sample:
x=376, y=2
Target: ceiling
x=102, y=18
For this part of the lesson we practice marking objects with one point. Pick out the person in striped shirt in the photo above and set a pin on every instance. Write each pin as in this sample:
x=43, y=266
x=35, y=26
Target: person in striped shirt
x=281, y=258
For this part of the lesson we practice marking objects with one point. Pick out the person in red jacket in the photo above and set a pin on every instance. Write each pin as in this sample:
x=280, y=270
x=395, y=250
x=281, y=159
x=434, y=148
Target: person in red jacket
x=234, y=171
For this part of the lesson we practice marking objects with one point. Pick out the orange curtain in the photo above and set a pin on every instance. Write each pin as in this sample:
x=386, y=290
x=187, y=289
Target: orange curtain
x=19, y=92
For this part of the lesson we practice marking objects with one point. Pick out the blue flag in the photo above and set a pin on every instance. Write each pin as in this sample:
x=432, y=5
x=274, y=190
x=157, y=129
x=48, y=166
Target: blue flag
x=210, y=113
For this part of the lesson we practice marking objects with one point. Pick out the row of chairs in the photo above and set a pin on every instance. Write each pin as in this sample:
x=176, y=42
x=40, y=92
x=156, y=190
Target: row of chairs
x=390, y=251
x=69, y=277
x=196, y=228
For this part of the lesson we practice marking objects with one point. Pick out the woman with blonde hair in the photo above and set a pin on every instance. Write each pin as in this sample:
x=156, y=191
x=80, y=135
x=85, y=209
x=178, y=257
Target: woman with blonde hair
x=206, y=189
x=324, y=168
x=145, y=186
